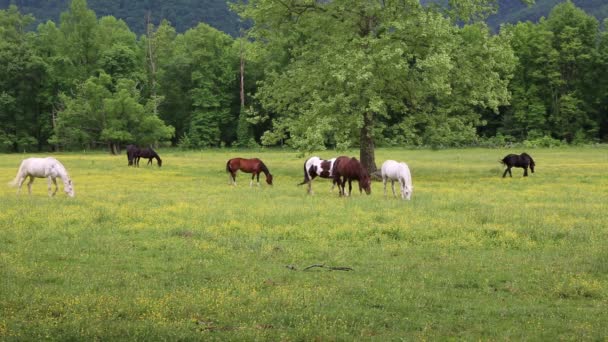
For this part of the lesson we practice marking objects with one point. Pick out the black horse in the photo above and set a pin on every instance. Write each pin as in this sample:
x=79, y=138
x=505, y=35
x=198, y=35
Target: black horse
x=148, y=153
x=513, y=160
x=132, y=152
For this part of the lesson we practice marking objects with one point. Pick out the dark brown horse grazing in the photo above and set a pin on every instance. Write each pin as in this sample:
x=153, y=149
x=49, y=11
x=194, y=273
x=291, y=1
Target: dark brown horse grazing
x=253, y=166
x=349, y=169
x=513, y=160
x=148, y=153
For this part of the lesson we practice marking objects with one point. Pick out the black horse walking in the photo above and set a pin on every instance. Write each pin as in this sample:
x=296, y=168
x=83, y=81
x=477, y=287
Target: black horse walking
x=522, y=160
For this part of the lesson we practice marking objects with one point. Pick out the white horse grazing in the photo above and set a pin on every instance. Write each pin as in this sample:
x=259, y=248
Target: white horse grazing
x=315, y=166
x=49, y=168
x=400, y=172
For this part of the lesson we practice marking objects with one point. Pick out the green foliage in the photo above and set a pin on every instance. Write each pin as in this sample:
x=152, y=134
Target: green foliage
x=555, y=85
x=103, y=113
x=344, y=67
x=544, y=141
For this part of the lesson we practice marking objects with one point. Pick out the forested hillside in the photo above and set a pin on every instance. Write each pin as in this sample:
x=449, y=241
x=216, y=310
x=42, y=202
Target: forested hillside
x=511, y=11
x=182, y=14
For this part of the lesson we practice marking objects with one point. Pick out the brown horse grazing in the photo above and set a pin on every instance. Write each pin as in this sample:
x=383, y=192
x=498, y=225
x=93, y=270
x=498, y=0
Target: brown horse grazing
x=350, y=169
x=148, y=153
x=253, y=166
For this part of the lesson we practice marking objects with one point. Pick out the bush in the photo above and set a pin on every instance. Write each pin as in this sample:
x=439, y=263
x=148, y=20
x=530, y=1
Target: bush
x=545, y=141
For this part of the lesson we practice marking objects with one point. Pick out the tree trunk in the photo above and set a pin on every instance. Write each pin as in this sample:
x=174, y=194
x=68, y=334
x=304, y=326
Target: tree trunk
x=366, y=148
x=114, y=148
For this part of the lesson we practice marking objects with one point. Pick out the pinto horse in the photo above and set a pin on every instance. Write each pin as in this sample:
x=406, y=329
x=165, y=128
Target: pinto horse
x=513, y=160
x=253, y=166
x=349, y=169
x=148, y=153
x=49, y=168
x=317, y=167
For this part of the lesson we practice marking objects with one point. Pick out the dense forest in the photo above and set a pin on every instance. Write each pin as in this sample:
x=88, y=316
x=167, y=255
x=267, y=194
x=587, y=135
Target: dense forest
x=309, y=74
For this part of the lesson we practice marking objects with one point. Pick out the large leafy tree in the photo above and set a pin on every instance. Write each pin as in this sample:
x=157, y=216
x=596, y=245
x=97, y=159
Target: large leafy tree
x=103, y=113
x=341, y=68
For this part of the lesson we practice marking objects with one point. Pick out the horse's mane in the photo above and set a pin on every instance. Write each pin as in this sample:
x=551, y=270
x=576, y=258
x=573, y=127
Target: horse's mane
x=531, y=160
x=264, y=168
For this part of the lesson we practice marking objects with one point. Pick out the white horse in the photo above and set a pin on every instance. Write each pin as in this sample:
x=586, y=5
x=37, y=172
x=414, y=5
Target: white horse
x=315, y=166
x=49, y=168
x=400, y=172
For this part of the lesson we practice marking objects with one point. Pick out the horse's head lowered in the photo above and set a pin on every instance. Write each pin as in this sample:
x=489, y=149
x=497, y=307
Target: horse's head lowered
x=365, y=182
x=269, y=178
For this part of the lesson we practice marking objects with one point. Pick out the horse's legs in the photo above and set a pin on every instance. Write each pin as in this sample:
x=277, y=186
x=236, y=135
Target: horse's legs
x=525, y=172
x=402, y=184
x=258, y=178
x=29, y=185
x=309, y=187
x=350, y=186
x=149, y=161
x=50, y=181
x=251, y=181
x=393, y=187
x=384, y=182
x=507, y=170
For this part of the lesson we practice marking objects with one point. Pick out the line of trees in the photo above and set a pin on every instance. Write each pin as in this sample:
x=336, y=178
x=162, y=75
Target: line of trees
x=317, y=74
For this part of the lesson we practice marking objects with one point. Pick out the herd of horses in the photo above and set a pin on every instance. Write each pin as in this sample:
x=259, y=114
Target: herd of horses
x=340, y=170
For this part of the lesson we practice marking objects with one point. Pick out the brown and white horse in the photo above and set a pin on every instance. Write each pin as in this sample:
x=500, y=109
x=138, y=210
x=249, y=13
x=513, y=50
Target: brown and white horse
x=317, y=167
x=253, y=166
x=349, y=169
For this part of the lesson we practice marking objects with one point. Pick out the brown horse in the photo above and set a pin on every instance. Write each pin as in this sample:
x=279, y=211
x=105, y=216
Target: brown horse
x=253, y=166
x=349, y=169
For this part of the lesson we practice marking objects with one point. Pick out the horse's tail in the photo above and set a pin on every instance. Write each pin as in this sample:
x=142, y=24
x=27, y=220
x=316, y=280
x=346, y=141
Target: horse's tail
x=306, y=177
x=228, y=166
x=15, y=181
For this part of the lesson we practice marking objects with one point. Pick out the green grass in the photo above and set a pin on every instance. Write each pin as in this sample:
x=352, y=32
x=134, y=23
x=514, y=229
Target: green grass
x=177, y=254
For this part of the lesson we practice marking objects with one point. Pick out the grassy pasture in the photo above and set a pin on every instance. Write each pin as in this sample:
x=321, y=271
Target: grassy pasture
x=177, y=254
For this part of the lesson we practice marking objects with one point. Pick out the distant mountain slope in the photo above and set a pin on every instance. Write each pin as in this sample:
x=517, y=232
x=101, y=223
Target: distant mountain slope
x=512, y=11
x=183, y=14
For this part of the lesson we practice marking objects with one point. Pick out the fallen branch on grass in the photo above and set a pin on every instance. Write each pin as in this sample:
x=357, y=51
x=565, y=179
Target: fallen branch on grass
x=331, y=268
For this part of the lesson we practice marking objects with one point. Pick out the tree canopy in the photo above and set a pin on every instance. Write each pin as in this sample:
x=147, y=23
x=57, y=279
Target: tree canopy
x=307, y=74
